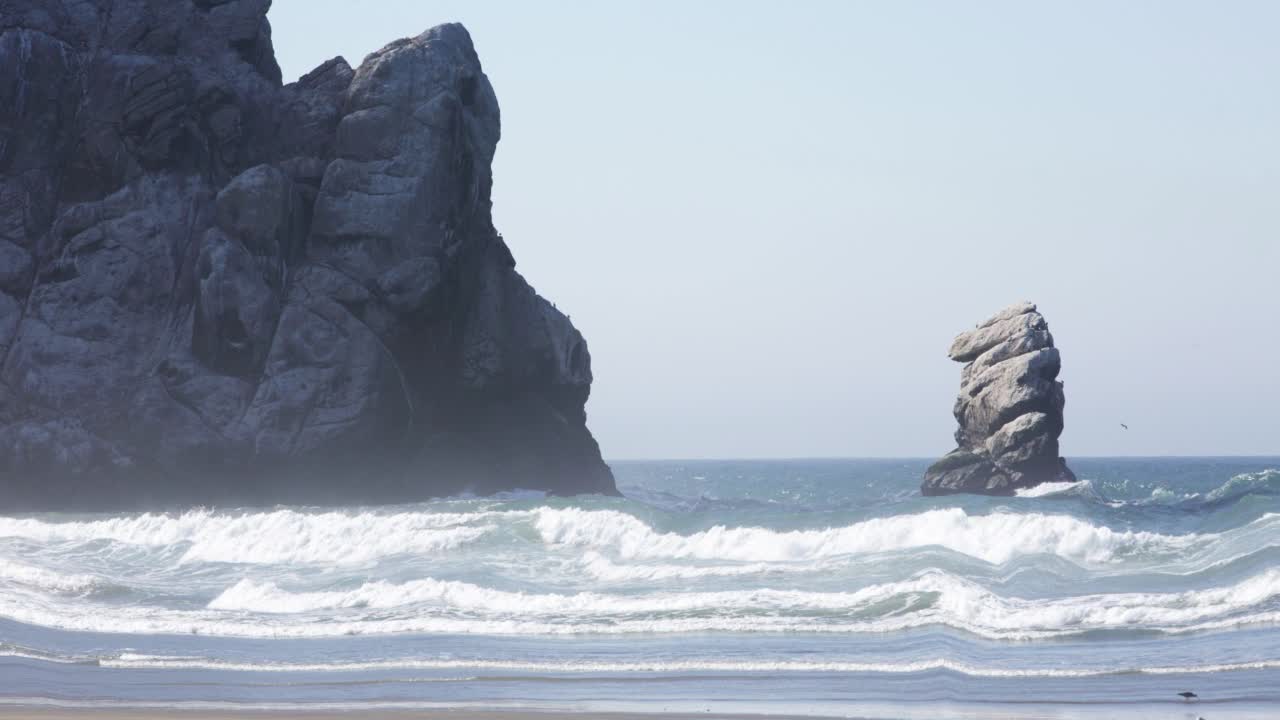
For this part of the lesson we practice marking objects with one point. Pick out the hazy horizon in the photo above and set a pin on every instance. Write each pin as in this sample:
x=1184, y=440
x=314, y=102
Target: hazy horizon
x=836, y=458
x=769, y=223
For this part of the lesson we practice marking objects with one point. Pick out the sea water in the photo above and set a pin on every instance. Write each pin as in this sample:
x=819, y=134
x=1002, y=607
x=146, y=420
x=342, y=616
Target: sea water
x=802, y=587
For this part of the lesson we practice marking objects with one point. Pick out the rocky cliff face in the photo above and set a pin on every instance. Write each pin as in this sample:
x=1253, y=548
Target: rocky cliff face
x=1009, y=408
x=215, y=288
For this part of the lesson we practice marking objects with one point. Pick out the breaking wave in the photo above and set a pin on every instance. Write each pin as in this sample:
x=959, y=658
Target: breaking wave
x=602, y=537
x=1054, y=489
x=537, y=566
x=48, y=580
x=289, y=536
x=996, y=538
x=1266, y=482
x=934, y=597
x=271, y=538
x=261, y=609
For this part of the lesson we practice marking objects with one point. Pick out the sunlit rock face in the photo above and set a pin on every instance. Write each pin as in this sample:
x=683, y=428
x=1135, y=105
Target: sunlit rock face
x=218, y=288
x=1009, y=408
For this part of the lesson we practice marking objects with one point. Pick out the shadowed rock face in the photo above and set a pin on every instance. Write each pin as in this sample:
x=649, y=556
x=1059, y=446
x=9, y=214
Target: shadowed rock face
x=1009, y=408
x=215, y=288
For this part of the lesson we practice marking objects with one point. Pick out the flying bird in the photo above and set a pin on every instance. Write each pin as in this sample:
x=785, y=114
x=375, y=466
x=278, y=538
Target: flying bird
x=1188, y=695
x=1126, y=427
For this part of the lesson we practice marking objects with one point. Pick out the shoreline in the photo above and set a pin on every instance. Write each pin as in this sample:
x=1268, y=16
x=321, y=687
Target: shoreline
x=34, y=712
x=871, y=711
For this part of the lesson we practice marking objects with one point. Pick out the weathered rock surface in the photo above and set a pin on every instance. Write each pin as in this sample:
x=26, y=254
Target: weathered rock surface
x=218, y=288
x=1009, y=408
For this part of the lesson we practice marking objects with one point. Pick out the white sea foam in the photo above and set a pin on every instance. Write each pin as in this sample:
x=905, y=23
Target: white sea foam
x=995, y=538
x=17, y=651
x=601, y=567
x=616, y=547
x=932, y=598
x=252, y=596
x=135, y=660
x=1053, y=488
x=273, y=537
x=290, y=536
x=48, y=580
x=171, y=624
x=1165, y=496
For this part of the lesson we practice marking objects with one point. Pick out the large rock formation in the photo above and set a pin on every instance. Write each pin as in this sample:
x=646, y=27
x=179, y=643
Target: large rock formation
x=218, y=288
x=1009, y=408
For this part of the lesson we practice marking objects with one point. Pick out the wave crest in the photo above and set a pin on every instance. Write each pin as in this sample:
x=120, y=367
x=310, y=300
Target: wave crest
x=996, y=538
x=273, y=537
x=49, y=580
x=932, y=598
x=1266, y=482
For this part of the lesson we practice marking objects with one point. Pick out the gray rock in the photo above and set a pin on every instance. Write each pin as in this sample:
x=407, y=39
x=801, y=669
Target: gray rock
x=1009, y=408
x=215, y=288
x=968, y=346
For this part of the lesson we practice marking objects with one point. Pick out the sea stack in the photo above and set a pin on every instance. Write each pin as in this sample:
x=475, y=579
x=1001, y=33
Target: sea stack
x=1009, y=409
x=217, y=288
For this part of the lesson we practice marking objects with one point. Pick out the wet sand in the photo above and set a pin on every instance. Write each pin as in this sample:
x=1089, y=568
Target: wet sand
x=939, y=711
x=155, y=714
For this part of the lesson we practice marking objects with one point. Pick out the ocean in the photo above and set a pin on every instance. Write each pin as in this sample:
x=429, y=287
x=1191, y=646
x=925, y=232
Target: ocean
x=821, y=587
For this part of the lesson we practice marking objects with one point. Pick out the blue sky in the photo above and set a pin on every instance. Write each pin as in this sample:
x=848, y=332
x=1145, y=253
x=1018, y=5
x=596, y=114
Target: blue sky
x=769, y=220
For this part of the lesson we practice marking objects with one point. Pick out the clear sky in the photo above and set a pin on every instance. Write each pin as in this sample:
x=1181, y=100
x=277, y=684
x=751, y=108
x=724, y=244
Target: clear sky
x=770, y=219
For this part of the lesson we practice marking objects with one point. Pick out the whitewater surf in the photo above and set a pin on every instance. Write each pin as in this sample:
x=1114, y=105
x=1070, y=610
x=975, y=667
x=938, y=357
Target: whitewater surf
x=732, y=582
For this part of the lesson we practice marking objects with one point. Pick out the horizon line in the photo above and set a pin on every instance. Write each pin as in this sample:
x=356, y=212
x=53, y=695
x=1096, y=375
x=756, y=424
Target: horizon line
x=784, y=458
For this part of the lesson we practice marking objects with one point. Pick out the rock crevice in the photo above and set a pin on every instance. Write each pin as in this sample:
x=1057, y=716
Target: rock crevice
x=1009, y=408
